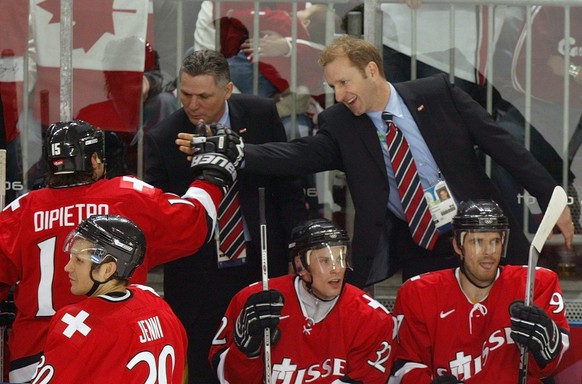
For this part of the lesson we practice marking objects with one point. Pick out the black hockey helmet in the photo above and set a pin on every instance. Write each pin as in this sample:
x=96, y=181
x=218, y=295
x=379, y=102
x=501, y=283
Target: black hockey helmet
x=70, y=145
x=317, y=234
x=480, y=216
x=111, y=235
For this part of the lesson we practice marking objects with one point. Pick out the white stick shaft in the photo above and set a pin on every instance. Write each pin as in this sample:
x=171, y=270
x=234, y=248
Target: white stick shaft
x=267, y=335
x=264, y=260
x=556, y=206
x=265, y=280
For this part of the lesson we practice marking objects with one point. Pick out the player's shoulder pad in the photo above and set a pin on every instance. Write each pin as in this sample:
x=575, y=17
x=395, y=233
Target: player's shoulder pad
x=20, y=201
x=357, y=301
x=144, y=288
x=133, y=183
x=522, y=270
x=430, y=278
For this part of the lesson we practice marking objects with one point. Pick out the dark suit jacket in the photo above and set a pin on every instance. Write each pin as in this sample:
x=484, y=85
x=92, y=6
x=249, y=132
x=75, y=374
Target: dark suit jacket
x=451, y=123
x=167, y=168
x=197, y=291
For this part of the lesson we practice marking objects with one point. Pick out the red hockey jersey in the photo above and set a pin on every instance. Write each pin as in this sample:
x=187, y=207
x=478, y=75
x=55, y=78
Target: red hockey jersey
x=34, y=228
x=117, y=338
x=353, y=341
x=441, y=332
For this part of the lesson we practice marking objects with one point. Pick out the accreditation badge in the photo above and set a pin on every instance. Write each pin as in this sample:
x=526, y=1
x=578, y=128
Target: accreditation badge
x=442, y=205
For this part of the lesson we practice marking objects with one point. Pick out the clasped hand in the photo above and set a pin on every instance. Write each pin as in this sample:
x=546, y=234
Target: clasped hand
x=217, y=138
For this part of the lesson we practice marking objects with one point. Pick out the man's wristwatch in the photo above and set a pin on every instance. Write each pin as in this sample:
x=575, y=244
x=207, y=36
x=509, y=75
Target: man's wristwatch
x=574, y=71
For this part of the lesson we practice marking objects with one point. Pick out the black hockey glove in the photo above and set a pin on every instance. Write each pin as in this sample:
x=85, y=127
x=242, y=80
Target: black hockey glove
x=446, y=379
x=262, y=310
x=7, y=312
x=223, y=140
x=531, y=327
x=213, y=167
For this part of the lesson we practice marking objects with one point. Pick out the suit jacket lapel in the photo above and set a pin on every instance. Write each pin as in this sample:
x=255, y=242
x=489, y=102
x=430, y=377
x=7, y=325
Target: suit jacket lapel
x=237, y=115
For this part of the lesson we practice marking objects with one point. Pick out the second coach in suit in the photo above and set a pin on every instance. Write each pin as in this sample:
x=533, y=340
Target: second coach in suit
x=195, y=287
x=442, y=124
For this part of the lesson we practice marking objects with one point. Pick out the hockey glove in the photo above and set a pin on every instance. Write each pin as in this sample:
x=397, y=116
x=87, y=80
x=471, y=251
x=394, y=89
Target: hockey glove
x=531, y=327
x=446, y=379
x=7, y=308
x=213, y=167
x=223, y=140
x=262, y=310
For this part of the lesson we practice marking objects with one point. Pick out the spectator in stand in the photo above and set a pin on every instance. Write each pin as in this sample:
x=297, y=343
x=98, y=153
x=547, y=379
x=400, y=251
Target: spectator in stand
x=275, y=23
x=157, y=104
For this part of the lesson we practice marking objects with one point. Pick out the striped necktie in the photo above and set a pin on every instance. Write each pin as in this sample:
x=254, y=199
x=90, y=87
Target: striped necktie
x=230, y=226
x=416, y=209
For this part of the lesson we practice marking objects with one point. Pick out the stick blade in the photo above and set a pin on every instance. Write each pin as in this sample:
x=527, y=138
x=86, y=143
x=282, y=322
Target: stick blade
x=556, y=206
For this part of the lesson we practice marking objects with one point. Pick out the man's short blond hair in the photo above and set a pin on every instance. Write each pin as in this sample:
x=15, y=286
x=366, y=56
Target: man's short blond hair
x=360, y=52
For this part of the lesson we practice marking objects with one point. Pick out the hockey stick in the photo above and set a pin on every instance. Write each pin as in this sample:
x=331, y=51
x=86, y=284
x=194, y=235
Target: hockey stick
x=2, y=203
x=556, y=206
x=265, y=271
x=2, y=178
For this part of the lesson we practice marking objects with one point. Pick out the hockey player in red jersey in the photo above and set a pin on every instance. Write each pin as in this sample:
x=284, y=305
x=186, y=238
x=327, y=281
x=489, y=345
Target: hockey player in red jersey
x=122, y=333
x=465, y=325
x=322, y=329
x=34, y=227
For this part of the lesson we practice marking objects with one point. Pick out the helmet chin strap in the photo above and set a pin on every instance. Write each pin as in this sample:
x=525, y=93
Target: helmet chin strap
x=309, y=286
x=96, y=283
x=464, y=272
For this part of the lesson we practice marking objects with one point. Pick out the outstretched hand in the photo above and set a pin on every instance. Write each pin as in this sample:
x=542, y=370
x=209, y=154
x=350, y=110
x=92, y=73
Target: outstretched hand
x=183, y=142
x=213, y=132
x=566, y=226
x=216, y=152
x=214, y=138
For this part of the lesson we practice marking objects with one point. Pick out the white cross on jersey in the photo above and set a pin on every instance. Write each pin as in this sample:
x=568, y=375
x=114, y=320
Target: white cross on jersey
x=137, y=184
x=76, y=323
x=375, y=304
